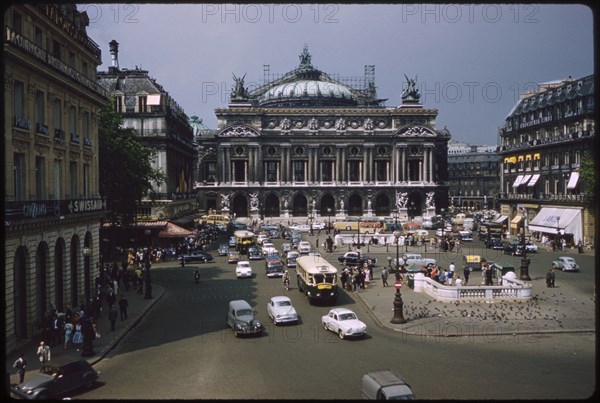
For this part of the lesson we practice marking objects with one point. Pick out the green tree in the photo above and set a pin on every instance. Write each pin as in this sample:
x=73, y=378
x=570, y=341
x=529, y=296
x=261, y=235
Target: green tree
x=587, y=174
x=126, y=173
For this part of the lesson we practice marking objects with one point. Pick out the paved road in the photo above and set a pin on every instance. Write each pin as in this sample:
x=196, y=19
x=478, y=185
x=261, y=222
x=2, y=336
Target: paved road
x=182, y=336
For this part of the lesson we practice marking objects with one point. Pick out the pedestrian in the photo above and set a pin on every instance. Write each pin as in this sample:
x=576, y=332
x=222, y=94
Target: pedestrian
x=77, y=336
x=123, y=305
x=21, y=364
x=384, y=275
x=112, y=316
x=450, y=274
x=43, y=353
x=580, y=246
x=458, y=281
x=550, y=278
x=466, y=274
x=68, y=332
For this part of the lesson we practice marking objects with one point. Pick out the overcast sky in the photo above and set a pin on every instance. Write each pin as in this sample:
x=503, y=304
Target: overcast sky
x=471, y=61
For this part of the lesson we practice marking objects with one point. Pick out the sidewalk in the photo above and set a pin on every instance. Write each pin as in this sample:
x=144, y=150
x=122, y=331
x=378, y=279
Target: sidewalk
x=138, y=306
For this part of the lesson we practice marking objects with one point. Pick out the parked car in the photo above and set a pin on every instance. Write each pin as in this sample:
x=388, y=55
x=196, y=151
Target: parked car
x=280, y=310
x=254, y=253
x=241, y=318
x=303, y=247
x=290, y=259
x=353, y=259
x=344, y=323
x=300, y=227
x=565, y=263
x=196, y=256
x=233, y=256
x=531, y=247
x=223, y=250
x=243, y=269
x=56, y=378
x=417, y=260
x=494, y=243
x=513, y=248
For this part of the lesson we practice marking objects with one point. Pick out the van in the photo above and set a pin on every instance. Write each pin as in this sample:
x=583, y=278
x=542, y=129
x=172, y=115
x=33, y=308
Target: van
x=468, y=224
x=385, y=384
x=459, y=219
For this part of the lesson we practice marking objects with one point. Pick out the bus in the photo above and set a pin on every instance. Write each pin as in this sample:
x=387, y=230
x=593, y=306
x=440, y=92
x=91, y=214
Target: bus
x=215, y=219
x=366, y=227
x=317, y=278
x=244, y=239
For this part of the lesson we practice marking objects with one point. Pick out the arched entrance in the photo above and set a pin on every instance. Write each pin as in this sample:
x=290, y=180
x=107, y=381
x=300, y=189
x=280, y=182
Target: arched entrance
x=73, y=277
x=41, y=283
x=355, y=205
x=272, y=205
x=382, y=205
x=20, y=293
x=327, y=205
x=59, y=273
x=240, y=206
x=300, y=206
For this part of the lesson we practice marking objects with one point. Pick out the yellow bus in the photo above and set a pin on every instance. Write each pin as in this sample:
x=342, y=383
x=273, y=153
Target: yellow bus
x=214, y=219
x=366, y=227
x=317, y=278
x=244, y=239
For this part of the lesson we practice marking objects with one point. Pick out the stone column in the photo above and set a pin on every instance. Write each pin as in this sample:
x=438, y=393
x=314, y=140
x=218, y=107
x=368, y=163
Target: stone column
x=403, y=167
x=367, y=163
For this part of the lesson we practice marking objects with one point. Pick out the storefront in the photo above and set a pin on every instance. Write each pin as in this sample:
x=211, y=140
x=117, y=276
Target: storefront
x=559, y=222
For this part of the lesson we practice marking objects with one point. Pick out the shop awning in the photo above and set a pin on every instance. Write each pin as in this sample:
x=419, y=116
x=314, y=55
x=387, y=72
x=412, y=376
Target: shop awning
x=517, y=181
x=554, y=220
x=174, y=231
x=525, y=179
x=573, y=180
x=534, y=180
x=501, y=219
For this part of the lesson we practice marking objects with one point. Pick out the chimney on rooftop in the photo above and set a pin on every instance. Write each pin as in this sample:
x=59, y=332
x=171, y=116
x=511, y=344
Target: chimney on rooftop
x=114, y=53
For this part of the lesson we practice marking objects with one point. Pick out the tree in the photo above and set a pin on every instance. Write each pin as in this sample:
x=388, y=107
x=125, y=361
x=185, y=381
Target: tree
x=126, y=173
x=587, y=173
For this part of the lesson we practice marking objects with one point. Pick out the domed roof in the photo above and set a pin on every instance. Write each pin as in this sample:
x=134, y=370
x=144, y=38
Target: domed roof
x=308, y=88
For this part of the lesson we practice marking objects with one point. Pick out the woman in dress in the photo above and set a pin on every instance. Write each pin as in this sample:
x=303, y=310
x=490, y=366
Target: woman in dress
x=77, y=336
x=68, y=331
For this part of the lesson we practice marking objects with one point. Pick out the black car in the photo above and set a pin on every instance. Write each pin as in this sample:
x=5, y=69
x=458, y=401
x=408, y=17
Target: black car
x=494, y=243
x=513, y=248
x=254, y=253
x=354, y=259
x=197, y=256
x=56, y=378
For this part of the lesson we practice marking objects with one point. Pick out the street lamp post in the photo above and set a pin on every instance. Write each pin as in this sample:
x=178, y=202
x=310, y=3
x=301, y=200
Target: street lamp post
x=398, y=303
x=524, y=261
x=328, y=220
x=310, y=223
x=358, y=237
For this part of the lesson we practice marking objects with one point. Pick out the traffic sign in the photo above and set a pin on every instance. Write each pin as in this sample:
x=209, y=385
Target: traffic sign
x=398, y=284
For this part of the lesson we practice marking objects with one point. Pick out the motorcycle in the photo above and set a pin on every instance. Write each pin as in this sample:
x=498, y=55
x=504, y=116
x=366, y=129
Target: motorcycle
x=286, y=283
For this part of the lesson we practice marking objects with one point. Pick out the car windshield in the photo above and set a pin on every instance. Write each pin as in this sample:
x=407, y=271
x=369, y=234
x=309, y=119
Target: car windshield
x=347, y=316
x=49, y=370
x=283, y=303
x=243, y=312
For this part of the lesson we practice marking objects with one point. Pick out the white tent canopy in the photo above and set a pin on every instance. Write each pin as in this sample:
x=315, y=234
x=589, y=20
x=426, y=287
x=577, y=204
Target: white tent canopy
x=554, y=220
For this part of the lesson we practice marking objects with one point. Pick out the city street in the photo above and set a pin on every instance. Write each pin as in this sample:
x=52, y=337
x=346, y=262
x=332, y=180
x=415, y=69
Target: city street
x=184, y=346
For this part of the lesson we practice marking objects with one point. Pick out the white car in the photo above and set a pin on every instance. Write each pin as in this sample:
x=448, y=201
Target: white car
x=303, y=247
x=280, y=310
x=268, y=249
x=565, y=263
x=300, y=227
x=243, y=269
x=344, y=323
x=260, y=238
x=531, y=247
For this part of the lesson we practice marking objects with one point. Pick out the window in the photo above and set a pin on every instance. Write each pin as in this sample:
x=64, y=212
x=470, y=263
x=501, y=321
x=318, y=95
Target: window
x=142, y=103
x=381, y=171
x=71, y=61
x=56, y=48
x=57, y=179
x=57, y=114
x=327, y=171
x=86, y=180
x=73, y=178
x=19, y=178
x=354, y=171
x=298, y=171
x=72, y=120
x=566, y=158
x=19, y=99
x=39, y=107
x=211, y=171
x=271, y=170
x=119, y=103
x=40, y=178
x=17, y=22
x=85, y=125
x=38, y=37
x=84, y=69
x=239, y=171
x=577, y=157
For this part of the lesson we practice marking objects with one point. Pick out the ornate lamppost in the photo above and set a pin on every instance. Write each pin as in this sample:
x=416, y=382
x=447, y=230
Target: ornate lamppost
x=328, y=220
x=398, y=303
x=524, y=261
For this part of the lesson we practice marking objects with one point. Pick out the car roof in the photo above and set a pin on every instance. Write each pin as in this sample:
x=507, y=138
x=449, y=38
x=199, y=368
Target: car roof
x=341, y=310
x=241, y=262
x=62, y=360
x=239, y=304
x=280, y=298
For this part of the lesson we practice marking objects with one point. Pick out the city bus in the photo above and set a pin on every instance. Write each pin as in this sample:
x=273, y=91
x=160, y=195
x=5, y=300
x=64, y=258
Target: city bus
x=244, y=239
x=214, y=219
x=317, y=278
x=366, y=227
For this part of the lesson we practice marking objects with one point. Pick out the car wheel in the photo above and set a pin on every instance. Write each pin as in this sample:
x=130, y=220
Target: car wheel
x=325, y=326
x=341, y=334
x=348, y=228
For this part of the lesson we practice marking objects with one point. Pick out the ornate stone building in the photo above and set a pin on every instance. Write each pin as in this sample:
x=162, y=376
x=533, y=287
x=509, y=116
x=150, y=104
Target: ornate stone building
x=51, y=194
x=543, y=140
x=308, y=144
